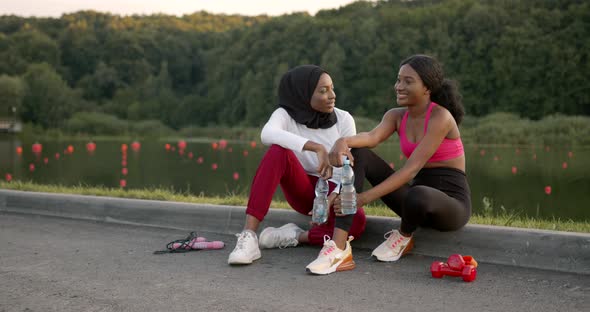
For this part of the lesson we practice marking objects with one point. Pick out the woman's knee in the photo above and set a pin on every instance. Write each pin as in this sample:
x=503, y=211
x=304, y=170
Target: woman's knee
x=426, y=207
x=372, y=163
x=276, y=152
x=361, y=153
x=277, y=149
x=418, y=199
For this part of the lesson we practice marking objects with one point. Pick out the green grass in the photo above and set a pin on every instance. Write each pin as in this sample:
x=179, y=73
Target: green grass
x=487, y=218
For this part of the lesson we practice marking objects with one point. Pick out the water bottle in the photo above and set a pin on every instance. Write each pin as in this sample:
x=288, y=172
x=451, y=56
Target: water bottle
x=320, y=203
x=347, y=191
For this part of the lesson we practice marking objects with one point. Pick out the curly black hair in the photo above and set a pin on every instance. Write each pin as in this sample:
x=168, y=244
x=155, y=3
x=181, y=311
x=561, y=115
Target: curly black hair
x=443, y=91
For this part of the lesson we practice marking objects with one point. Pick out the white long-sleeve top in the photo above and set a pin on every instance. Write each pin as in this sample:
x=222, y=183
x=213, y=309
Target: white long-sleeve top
x=283, y=130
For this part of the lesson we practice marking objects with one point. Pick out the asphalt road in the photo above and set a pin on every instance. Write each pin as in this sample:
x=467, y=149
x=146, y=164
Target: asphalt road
x=55, y=264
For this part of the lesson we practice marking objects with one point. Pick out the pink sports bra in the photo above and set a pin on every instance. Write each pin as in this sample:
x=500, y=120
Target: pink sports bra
x=448, y=149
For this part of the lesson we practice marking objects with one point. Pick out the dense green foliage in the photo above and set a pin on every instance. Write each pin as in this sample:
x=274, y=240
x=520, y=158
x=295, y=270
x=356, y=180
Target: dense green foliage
x=528, y=58
x=503, y=128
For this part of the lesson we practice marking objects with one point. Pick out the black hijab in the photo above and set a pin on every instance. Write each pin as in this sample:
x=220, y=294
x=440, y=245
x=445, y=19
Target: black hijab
x=295, y=91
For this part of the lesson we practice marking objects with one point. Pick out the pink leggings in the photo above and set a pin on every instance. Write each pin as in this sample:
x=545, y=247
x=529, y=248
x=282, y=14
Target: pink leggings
x=280, y=166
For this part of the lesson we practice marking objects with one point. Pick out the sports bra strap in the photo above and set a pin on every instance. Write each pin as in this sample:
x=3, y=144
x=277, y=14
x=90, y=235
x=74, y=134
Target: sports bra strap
x=427, y=117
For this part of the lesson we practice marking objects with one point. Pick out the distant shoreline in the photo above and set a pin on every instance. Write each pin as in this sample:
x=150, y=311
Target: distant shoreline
x=497, y=129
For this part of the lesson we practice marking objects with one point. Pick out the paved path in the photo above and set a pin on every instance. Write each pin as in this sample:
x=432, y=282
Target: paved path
x=529, y=248
x=55, y=264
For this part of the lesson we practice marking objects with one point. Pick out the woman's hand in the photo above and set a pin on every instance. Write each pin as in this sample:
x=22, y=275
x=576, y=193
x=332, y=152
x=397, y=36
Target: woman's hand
x=339, y=149
x=360, y=202
x=337, y=205
x=331, y=199
x=324, y=167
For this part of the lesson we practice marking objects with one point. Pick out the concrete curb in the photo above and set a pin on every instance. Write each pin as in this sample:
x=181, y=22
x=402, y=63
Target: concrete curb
x=541, y=249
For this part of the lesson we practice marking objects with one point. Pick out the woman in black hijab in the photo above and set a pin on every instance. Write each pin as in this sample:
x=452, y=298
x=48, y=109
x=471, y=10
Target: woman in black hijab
x=295, y=91
x=300, y=132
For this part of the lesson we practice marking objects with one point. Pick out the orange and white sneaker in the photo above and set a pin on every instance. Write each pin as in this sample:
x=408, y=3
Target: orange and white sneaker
x=394, y=246
x=332, y=259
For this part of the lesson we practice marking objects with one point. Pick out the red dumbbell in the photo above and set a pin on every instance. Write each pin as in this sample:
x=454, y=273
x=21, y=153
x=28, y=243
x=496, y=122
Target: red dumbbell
x=457, y=265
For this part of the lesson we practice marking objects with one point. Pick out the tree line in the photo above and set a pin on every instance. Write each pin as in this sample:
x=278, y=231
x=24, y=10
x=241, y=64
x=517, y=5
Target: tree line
x=528, y=57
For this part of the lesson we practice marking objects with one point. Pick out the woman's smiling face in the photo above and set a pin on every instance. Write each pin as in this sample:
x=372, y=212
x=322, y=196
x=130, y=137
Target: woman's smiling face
x=324, y=98
x=409, y=88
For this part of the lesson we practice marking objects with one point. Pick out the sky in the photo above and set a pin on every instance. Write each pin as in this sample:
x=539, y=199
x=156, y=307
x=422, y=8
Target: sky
x=55, y=8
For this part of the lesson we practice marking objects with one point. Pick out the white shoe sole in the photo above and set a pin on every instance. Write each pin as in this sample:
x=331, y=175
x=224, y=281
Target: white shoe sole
x=244, y=261
x=351, y=265
x=408, y=248
x=382, y=259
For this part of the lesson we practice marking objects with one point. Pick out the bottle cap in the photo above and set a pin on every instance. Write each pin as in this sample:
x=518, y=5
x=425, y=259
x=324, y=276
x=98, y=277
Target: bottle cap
x=346, y=161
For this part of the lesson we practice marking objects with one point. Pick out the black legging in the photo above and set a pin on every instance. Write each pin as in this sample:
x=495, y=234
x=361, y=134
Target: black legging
x=437, y=197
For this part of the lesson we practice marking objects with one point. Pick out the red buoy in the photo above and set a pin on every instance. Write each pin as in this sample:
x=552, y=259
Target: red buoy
x=37, y=148
x=90, y=147
x=135, y=146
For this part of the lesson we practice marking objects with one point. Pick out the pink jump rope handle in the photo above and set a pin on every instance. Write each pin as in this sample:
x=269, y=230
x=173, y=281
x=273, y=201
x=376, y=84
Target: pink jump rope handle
x=193, y=241
x=208, y=245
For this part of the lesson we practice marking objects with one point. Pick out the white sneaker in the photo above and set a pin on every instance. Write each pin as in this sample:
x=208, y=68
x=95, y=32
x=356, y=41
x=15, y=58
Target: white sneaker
x=395, y=246
x=332, y=259
x=283, y=237
x=246, y=249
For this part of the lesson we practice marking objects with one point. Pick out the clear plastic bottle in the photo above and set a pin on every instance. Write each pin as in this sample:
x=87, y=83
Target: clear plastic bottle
x=347, y=192
x=320, y=203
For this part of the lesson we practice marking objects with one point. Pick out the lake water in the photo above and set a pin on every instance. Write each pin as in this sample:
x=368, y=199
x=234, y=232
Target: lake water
x=515, y=178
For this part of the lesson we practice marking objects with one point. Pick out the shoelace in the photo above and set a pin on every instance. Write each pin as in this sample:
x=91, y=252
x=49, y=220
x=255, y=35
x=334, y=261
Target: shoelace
x=332, y=247
x=327, y=249
x=285, y=242
x=242, y=239
x=288, y=243
x=394, y=240
x=386, y=235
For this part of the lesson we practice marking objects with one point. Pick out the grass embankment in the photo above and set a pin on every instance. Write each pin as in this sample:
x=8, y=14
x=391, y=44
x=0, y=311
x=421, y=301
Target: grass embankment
x=502, y=219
